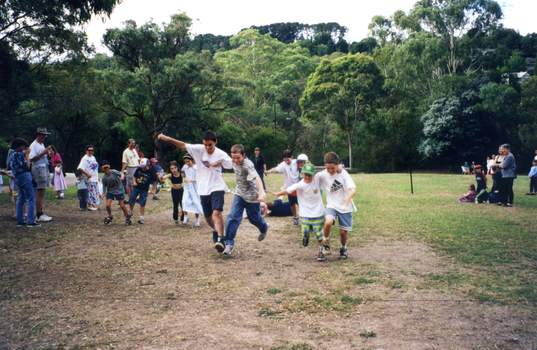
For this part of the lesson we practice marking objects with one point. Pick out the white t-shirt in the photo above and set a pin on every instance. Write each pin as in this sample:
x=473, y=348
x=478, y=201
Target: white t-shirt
x=209, y=179
x=337, y=188
x=310, y=201
x=130, y=157
x=36, y=149
x=90, y=165
x=291, y=174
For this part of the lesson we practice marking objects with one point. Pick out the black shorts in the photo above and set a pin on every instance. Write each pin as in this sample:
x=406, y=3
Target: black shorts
x=292, y=199
x=214, y=201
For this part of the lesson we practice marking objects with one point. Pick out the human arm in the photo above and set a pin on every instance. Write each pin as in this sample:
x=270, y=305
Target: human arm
x=262, y=194
x=265, y=211
x=177, y=143
x=350, y=196
x=36, y=157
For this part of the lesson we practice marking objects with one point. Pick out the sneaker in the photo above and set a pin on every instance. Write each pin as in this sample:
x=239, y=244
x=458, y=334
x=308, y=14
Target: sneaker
x=44, y=218
x=141, y=220
x=33, y=224
x=185, y=220
x=197, y=222
x=343, y=253
x=155, y=198
x=93, y=208
x=128, y=222
x=229, y=249
x=295, y=221
x=306, y=239
x=320, y=256
x=220, y=245
x=176, y=222
x=130, y=214
x=264, y=234
x=22, y=224
x=215, y=236
x=326, y=249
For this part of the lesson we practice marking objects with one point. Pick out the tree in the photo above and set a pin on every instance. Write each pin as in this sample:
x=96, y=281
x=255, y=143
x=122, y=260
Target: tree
x=343, y=90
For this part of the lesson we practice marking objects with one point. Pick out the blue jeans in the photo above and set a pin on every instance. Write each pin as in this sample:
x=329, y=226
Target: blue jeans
x=234, y=218
x=26, y=196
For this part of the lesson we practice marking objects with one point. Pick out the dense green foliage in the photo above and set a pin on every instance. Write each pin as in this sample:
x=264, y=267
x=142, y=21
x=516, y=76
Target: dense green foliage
x=429, y=88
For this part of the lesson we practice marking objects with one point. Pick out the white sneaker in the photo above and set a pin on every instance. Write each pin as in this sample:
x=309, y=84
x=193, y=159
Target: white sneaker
x=44, y=218
x=197, y=222
x=229, y=249
x=185, y=220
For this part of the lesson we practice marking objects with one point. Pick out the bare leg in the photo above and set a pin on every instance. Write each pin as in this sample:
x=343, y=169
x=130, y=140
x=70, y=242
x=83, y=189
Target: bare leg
x=219, y=222
x=343, y=236
x=39, y=200
x=109, y=207
x=123, y=207
x=293, y=209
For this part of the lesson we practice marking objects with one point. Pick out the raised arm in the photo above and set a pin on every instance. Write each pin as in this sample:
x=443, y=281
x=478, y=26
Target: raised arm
x=177, y=143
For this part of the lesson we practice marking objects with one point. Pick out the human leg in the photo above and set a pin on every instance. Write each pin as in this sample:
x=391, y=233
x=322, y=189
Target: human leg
x=175, y=200
x=255, y=217
x=234, y=219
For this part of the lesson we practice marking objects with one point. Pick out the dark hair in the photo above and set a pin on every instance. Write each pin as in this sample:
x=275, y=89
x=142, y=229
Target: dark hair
x=88, y=146
x=331, y=158
x=209, y=136
x=17, y=142
x=57, y=161
x=174, y=162
x=472, y=187
x=54, y=149
x=270, y=206
x=506, y=146
x=287, y=154
x=78, y=173
x=237, y=149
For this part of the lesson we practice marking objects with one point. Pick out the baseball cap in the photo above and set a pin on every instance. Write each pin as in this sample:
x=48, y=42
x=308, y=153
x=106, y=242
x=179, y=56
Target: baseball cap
x=477, y=166
x=153, y=160
x=256, y=149
x=308, y=169
x=105, y=163
x=144, y=162
x=302, y=157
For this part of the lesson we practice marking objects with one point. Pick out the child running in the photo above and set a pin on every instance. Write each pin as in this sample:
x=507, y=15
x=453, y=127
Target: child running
x=291, y=176
x=191, y=198
x=82, y=190
x=340, y=190
x=112, y=184
x=143, y=177
x=59, y=180
x=177, y=189
x=248, y=193
x=211, y=185
x=311, y=208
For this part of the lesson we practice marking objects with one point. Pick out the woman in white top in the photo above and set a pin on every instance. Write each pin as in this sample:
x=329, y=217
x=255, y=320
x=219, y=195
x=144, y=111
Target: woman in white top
x=90, y=168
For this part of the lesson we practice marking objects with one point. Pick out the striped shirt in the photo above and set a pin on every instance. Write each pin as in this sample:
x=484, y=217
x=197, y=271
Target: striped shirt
x=245, y=175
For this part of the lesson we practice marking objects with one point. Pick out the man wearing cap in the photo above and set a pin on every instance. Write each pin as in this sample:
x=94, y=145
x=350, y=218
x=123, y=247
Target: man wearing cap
x=130, y=164
x=39, y=159
x=259, y=164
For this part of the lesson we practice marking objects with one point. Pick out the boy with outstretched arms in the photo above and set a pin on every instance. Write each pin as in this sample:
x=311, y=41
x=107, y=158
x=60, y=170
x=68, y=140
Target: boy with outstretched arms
x=340, y=189
x=311, y=206
x=143, y=177
x=211, y=185
x=113, y=190
x=291, y=176
x=248, y=193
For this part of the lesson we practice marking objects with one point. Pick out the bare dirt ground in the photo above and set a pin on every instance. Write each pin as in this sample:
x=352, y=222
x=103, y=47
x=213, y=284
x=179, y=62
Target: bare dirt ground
x=79, y=284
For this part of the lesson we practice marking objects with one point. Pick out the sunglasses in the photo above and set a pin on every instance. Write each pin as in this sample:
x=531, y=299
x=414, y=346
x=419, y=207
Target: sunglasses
x=90, y=150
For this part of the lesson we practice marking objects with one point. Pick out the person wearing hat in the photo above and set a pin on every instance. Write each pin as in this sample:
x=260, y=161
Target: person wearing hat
x=113, y=190
x=311, y=208
x=481, y=179
x=40, y=174
x=300, y=161
x=142, y=178
x=259, y=164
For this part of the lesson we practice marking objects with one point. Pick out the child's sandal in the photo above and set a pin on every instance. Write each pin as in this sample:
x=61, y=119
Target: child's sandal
x=108, y=220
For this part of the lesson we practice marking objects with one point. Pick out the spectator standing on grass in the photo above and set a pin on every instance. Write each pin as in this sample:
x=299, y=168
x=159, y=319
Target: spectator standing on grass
x=13, y=188
x=59, y=180
x=480, y=178
x=191, y=198
x=40, y=174
x=130, y=163
x=533, y=179
x=508, y=167
x=19, y=164
x=259, y=164
x=137, y=148
x=90, y=167
x=82, y=190
x=55, y=156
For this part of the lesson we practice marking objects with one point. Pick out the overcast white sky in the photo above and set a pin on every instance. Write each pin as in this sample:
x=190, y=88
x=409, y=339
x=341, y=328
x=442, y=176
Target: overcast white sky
x=229, y=17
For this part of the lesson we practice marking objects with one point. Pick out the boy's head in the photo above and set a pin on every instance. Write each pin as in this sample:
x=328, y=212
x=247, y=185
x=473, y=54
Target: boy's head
x=210, y=141
x=477, y=168
x=257, y=151
x=301, y=160
x=153, y=161
x=237, y=154
x=270, y=206
x=287, y=156
x=331, y=162
x=534, y=162
x=144, y=164
x=79, y=174
x=105, y=165
x=308, y=172
x=18, y=144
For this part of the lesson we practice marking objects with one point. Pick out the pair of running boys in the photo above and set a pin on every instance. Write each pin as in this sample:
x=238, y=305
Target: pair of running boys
x=340, y=189
x=211, y=189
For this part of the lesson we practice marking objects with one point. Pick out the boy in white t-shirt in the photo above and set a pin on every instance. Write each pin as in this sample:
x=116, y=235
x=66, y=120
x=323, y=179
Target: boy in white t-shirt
x=211, y=185
x=291, y=176
x=311, y=206
x=340, y=189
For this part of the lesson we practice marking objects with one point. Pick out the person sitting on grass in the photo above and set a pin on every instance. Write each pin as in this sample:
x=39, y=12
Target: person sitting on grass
x=143, y=177
x=310, y=206
x=113, y=190
x=470, y=196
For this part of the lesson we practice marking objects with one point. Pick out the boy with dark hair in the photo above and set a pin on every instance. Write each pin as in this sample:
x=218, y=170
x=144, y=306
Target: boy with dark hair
x=82, y=190
x=340, y=189
x=211, y=185
x=480, y=178
x=112, y=183
x=533, y=178
x=291, y=176
x=143, y=177
x=248, y=193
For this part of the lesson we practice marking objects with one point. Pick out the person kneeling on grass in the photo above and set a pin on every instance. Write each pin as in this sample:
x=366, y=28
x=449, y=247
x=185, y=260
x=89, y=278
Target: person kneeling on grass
x=113, y=190
x=310, y=206
x=143, y=177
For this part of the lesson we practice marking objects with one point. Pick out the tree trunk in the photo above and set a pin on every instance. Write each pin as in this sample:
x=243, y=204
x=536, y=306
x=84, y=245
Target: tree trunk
x=349, y=138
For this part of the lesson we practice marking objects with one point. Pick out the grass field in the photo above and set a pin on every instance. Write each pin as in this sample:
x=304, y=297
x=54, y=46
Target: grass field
x=424, y=272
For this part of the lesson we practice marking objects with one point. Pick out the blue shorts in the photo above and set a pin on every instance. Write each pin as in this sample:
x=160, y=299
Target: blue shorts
x=292, y=199
x=214, y=201
x=135, y=193
x=345, y=219
x=112, y=196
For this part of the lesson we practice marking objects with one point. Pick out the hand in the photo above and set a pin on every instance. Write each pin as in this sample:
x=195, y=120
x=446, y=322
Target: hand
x=346, y=201
x=27, y=151
x=89, y=176
x=216, y=164
x=262, y=197
x=272, y=193
x=162, y=137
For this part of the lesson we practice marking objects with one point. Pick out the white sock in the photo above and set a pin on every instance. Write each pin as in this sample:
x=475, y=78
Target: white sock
x=141, y=217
